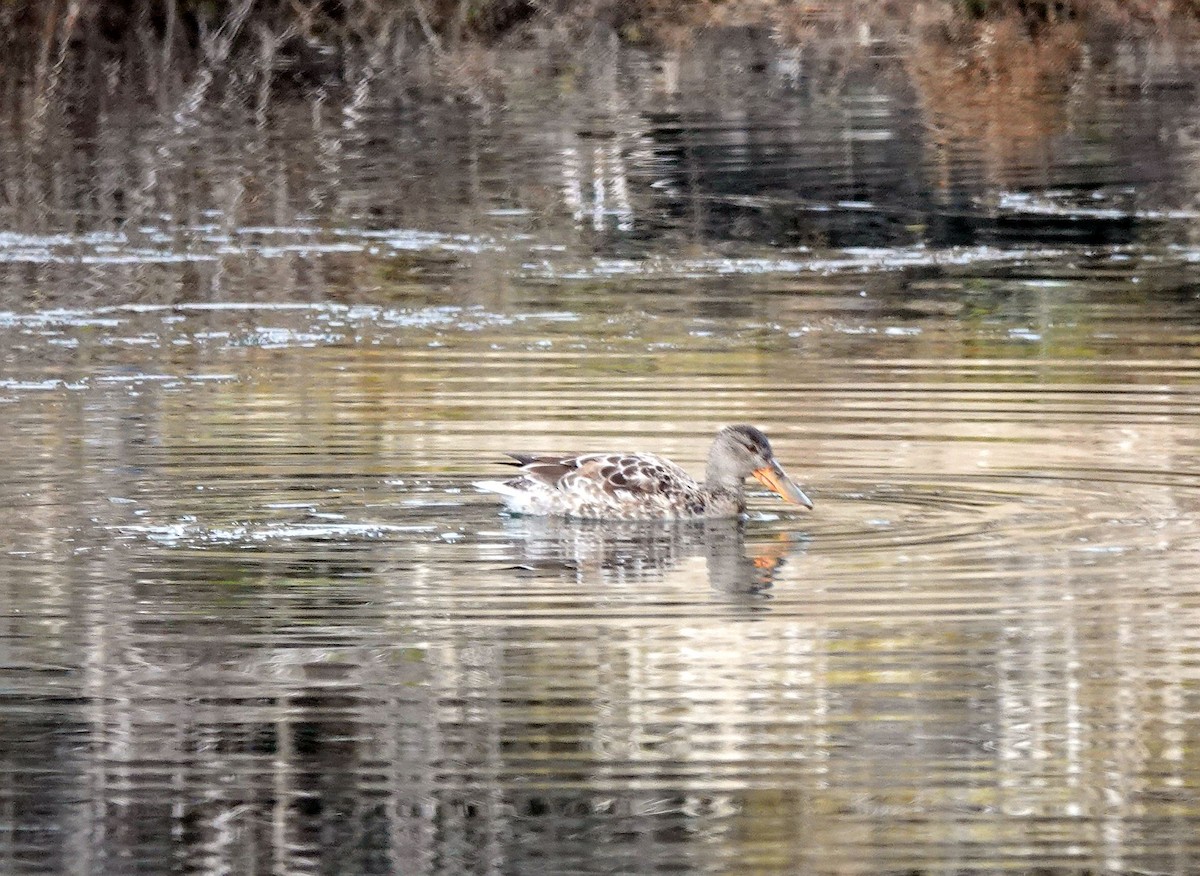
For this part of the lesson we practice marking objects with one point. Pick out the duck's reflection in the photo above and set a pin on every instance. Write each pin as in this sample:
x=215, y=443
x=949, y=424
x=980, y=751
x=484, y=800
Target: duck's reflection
x=620, y=551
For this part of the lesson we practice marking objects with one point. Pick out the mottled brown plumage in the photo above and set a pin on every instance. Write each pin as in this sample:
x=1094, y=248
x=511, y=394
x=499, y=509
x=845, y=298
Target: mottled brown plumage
x=642, y=486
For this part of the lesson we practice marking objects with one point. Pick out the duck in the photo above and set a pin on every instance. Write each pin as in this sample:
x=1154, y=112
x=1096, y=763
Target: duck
x=643, y=486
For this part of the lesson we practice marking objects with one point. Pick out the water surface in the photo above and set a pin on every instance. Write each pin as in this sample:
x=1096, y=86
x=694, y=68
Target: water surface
x=256, y=619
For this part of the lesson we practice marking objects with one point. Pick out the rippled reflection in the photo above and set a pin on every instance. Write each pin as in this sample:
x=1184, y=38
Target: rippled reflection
x=259, y=618
x=256, y=620
x=619, y=551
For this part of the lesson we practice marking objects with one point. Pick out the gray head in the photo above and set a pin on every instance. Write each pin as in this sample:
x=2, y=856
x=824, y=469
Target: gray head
x=743, y=451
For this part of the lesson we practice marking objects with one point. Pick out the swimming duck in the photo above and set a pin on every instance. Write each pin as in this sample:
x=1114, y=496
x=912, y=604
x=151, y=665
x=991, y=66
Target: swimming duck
x=642, y=486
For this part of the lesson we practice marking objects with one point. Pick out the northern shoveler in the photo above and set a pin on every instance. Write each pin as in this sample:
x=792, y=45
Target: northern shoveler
x=642, y=486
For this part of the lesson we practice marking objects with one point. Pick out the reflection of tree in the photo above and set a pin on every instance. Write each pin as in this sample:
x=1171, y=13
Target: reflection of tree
x=738, y=134
x=995, y=89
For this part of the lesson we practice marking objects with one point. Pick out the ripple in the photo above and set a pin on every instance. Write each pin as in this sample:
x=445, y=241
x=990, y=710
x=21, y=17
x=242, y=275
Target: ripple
x=194, y=534
x=259, y=544
x=252, y=612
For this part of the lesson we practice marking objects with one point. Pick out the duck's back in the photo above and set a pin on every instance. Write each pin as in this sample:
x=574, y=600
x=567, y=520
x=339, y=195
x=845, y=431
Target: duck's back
x=602, y=485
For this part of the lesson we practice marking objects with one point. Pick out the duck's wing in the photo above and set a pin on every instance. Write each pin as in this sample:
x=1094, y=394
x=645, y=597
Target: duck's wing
x=620, y=475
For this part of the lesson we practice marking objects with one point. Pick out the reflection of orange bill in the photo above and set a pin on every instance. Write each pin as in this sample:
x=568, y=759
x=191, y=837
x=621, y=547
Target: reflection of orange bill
x=773, y=478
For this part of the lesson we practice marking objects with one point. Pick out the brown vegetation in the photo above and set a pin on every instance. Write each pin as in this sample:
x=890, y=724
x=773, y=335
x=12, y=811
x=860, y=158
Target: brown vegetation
x=995, y=75
x=40, y=32
x=995, y=84
x=447, y=42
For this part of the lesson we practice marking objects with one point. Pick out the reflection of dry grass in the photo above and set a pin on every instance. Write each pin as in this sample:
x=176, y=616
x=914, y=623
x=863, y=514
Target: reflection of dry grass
x=996, y=84
x=667, y=22
x=672, y=23
x=37, y=35
x=992, y=80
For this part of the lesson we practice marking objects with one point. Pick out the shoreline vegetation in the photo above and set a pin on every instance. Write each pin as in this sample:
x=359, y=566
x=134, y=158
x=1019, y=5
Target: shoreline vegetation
x=115, y=112
x=453, y=44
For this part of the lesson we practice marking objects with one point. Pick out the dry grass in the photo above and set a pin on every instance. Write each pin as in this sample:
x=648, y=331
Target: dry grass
x=37, y=30
x=965, y=55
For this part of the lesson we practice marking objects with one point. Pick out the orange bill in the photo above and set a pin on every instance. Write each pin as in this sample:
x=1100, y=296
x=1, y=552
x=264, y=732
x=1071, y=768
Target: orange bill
x=773, y=478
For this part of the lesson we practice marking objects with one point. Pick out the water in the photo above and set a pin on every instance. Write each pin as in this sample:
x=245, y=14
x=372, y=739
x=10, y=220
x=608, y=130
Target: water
x=256, y=620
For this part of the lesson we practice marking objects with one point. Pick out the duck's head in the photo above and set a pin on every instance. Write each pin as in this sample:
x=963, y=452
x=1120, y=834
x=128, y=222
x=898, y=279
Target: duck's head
x=743, y=451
